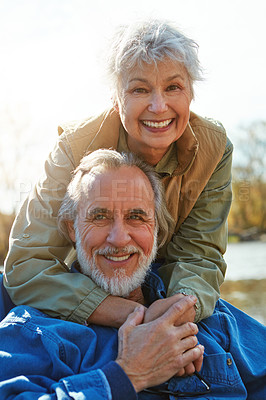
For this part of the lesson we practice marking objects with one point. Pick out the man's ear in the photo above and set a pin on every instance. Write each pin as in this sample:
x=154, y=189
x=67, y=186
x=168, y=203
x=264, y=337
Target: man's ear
x=71, y=230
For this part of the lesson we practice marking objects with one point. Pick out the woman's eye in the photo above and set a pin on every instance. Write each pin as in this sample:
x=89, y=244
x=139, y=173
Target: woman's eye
x=173, y=87
x=140, y=90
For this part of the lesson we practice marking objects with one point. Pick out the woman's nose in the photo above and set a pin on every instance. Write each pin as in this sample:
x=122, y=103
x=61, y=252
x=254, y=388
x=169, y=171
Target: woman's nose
x=158, y=103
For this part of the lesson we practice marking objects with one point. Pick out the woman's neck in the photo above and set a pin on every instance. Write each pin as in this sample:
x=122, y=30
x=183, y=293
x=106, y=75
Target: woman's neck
x=151, y=155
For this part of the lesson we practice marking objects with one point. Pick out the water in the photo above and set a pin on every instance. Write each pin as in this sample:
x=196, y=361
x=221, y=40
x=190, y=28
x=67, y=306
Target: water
x=246, y=260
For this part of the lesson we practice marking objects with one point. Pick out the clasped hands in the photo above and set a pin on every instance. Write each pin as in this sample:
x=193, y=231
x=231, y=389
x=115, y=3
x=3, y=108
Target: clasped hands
x=159, y=342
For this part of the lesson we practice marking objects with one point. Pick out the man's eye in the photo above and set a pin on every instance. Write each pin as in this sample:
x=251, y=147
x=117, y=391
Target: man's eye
x=100, y=217
x=135, y=217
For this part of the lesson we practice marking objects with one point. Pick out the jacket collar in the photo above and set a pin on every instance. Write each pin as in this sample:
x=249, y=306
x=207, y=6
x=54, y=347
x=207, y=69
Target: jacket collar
x=186, y=147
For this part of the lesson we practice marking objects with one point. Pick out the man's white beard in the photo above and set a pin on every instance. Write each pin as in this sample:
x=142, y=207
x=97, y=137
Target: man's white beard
x=120, y=284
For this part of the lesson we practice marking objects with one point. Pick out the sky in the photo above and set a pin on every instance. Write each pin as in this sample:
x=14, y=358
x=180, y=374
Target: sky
x=52, y=61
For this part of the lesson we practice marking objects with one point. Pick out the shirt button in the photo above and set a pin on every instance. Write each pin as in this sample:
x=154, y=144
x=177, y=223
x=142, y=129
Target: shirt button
x=229, y=361
x=25, y=235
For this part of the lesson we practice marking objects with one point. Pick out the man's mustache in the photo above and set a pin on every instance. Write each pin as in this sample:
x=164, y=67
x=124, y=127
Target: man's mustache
x=110, y=250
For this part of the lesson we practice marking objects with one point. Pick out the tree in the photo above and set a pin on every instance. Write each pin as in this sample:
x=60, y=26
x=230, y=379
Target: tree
x=5, y=226
x=14, y=124
x=249, y=179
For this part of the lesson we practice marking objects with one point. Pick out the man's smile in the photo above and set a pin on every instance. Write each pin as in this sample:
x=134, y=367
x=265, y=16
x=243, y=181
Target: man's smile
x=119, y=258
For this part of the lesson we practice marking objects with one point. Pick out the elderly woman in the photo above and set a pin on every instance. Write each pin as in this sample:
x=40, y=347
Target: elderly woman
x=152, y=68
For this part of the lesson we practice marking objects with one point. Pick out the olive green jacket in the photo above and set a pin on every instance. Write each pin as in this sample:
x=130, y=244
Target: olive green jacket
x=198, y=195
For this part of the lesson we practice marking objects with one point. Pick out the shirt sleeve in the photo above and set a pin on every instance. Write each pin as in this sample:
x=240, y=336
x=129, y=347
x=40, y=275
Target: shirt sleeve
x=35, y=273
x=109, y=383
x=93, y=386
x=90, y=385
x=194, y=262
x=42, y=360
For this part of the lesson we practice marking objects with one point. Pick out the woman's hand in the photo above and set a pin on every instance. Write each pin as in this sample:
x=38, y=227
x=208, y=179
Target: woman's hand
x=159, y=307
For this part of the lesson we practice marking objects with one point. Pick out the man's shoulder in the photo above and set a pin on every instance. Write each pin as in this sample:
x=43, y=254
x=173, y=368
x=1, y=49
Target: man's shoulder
x=34, y=319
x=31, y=325
x=21, y=315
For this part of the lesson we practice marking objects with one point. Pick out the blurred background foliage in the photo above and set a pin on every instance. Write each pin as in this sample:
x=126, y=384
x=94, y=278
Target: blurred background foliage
x=6, y=221
x=247, y=217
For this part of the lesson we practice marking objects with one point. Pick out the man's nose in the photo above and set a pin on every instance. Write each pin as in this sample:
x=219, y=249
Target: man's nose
x=118, y=235
x=158, y=103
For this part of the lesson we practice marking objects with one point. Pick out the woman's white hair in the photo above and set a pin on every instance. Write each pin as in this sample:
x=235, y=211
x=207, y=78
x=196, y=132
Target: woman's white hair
x=149, y=42
x=96, y=163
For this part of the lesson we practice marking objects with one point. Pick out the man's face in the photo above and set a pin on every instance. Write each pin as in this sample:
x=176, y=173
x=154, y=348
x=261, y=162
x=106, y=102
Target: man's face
x=115, y=230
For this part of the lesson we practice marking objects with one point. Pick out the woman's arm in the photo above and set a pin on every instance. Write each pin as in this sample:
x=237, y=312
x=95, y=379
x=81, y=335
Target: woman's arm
x=194, y=261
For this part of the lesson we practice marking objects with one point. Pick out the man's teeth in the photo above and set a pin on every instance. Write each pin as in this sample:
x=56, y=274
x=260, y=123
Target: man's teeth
x=121, y=258
x=162, y=124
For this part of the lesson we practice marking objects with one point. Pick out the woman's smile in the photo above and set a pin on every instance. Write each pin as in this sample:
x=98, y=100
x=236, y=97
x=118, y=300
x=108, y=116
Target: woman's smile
x=158, y=124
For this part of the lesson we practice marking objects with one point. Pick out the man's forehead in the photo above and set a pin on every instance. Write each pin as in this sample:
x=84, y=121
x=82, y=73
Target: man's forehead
x=130, y=185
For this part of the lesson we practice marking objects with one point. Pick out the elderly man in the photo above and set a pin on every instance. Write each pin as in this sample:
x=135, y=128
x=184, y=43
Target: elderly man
x=113, y=211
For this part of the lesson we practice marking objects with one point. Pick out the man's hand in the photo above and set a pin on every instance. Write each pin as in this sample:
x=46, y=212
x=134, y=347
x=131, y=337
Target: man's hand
x=151, y=353
x=159, y=307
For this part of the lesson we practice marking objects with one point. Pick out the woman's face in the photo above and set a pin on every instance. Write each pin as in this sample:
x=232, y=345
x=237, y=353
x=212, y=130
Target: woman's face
x=153, y=104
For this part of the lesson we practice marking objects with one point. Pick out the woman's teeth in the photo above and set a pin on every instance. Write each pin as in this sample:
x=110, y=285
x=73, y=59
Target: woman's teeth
x=162, y=124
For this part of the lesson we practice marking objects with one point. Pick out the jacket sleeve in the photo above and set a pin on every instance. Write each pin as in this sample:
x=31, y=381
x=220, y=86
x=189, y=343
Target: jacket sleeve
x=194, y=261
x=35, y=273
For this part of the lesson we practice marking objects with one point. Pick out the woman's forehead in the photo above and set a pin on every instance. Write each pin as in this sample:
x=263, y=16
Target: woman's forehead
x=165, y=69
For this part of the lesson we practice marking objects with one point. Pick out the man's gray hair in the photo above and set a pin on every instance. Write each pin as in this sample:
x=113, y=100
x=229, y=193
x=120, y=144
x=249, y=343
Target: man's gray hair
x=98, y=162
x=149, y=42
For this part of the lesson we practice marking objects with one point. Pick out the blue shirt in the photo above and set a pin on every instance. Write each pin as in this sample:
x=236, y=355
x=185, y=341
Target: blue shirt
x=45, y=358
x=61, y=359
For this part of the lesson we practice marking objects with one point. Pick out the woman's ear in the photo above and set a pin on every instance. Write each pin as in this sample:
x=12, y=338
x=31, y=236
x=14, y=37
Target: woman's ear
x=115, y=104
x=71, y=230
